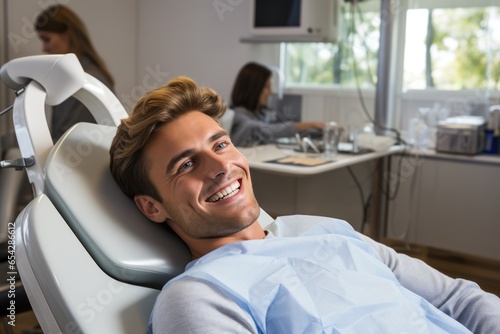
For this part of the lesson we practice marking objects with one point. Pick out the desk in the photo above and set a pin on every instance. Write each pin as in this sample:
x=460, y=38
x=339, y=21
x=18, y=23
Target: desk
x=259, y=155
x=324, y=190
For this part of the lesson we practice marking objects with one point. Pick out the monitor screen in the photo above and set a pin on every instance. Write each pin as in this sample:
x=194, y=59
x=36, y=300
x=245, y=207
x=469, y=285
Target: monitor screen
x=277, y=13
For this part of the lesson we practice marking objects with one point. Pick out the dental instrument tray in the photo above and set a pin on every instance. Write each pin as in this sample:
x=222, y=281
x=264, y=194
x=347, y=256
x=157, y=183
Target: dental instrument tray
x=317, y=146
x=300, y=161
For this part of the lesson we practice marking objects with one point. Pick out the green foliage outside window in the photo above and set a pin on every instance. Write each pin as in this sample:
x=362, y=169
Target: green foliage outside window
x=449, y=49
x=470, y=40
x=320, y=64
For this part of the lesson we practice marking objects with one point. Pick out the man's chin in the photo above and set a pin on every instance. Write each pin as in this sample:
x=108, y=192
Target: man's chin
x=231, y=228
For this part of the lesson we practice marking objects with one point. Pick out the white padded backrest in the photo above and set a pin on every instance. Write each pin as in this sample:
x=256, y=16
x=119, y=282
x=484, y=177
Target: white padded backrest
x=227, y=120
x=121, y=240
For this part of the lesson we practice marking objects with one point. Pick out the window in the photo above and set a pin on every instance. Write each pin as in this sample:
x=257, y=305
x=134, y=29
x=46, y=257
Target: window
x=452, y=48
x=451, y=63
x=351, y=61
x=449, y=45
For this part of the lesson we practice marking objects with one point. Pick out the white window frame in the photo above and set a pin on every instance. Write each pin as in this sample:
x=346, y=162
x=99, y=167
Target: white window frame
x=460, y=96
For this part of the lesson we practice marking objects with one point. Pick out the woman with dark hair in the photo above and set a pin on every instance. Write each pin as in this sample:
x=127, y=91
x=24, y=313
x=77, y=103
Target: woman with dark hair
x=62, y=31
x=253, y=122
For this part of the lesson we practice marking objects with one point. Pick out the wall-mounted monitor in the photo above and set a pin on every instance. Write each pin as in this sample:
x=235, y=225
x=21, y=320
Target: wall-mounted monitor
x=289, y=20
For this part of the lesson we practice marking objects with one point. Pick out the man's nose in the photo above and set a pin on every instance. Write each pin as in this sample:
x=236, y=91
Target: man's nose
x=217, y=166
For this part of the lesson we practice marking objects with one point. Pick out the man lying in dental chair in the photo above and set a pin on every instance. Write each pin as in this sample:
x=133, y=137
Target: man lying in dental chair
x=301, y=274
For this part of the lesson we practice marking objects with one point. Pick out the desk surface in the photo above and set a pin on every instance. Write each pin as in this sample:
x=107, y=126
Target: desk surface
x=477, y=158
x=259, y=157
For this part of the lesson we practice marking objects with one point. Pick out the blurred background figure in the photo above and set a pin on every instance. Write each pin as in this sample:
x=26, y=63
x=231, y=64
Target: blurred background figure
x=254, y=123
x=62, y=31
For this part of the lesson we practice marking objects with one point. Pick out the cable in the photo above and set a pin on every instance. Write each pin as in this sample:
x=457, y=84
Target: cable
x=398, y=182
x=411, y=217
x=354, y=5
x=399, y=140
x=364, y=205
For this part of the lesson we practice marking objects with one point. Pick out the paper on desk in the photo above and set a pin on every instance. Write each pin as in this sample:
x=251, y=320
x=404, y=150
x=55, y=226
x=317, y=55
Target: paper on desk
x=301, y=161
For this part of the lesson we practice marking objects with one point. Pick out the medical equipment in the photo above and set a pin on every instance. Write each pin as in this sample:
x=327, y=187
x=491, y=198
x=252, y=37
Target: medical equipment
x=89, y=260
x=461, y=134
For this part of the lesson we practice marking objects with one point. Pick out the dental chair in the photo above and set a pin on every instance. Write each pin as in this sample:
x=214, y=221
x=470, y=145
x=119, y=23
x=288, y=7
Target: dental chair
x=11, y=182
x=89, y=261
x=226, y=121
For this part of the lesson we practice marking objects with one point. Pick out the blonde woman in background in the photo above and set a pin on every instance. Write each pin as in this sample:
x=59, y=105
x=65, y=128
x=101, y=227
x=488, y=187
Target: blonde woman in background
x=62, y=31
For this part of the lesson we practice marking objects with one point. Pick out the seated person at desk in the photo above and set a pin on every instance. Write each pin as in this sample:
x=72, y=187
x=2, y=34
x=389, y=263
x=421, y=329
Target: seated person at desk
x=253, y=122
x=302, y=274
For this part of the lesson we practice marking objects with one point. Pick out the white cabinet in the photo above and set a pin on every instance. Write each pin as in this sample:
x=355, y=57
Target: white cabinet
x=331, y=194
x=448, y=202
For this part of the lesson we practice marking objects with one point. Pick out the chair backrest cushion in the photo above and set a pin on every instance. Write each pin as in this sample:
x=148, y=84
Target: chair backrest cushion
x=121, y=240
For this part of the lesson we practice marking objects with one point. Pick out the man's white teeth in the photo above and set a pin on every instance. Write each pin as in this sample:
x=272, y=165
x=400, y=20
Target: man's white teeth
x=227, y=192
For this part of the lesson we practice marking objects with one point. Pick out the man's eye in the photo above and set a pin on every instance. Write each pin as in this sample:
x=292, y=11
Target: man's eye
x=222, y=145
x=186, y=165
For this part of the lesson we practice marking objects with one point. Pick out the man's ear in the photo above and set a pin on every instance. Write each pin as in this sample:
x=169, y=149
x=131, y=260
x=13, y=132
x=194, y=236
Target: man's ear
x=151, y=208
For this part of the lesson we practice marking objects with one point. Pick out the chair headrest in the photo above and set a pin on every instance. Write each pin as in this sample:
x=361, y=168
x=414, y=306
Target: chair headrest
x=60, y=75
x=226, y=120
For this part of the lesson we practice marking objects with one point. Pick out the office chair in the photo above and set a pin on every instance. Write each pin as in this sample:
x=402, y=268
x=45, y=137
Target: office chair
x=89, y=261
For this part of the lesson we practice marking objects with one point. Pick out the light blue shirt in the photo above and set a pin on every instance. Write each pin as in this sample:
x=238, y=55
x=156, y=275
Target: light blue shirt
x=324, y=279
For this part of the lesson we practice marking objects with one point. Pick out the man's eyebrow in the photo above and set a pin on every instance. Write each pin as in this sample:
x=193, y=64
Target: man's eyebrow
x=190, y=152
x=177, y=158
x=217, y=135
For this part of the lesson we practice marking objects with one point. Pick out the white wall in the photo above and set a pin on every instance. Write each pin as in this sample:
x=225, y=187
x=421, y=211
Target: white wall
x=193, y=38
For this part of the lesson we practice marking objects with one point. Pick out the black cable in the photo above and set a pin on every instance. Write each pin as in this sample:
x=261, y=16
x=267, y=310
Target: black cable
x=399, y=140
x=402, y=156
x=365, y=211
x=398, y=181
x=364, y=204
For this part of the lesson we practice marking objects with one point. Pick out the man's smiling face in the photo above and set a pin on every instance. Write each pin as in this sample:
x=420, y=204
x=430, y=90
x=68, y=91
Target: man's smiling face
x=203, y=180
